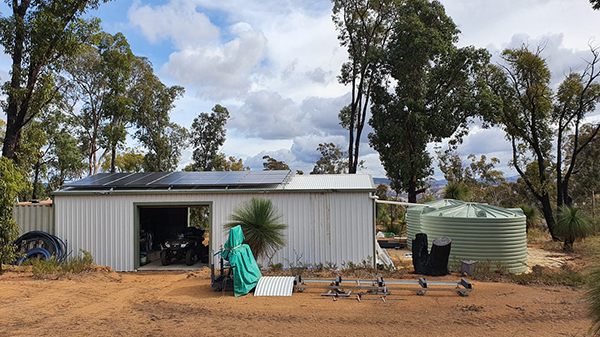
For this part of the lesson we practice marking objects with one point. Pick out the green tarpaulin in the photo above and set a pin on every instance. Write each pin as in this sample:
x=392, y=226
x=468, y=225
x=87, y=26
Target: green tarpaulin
x=245, y=270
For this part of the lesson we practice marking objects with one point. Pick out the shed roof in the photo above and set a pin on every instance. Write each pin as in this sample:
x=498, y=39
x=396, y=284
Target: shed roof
x=241, y=181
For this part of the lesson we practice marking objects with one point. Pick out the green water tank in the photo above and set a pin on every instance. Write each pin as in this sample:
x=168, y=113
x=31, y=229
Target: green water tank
x=413, y=215
x=480, y=232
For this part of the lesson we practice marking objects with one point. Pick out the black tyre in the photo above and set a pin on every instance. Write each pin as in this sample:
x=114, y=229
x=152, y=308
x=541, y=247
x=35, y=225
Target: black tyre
x=190, y=257
x=165, y=258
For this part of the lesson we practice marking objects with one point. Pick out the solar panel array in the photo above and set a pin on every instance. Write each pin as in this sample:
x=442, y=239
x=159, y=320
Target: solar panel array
x=181, y=179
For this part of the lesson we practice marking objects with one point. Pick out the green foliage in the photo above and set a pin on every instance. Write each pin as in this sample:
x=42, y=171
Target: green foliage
x=533, y=217
x=276, y=266
x=497, y=272
x=200, y=217
x=43, y=268
x=274, y=164
x=208, y=135
x=364, y=28
x=422, y=58
x=132, y=160
x=571, y=225
x=458, y=191
x=333, y=160
x=11, y=184
x=152, y=101
x=383, y=216
x=381, y=191
x=393, y=227
x=38, y=36
x=52, y=268
x=261, y=225
x=79, y=263
x=592, y=297
x=538, y=122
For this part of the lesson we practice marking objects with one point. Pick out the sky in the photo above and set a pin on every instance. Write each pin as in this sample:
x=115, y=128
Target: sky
x=273, y=64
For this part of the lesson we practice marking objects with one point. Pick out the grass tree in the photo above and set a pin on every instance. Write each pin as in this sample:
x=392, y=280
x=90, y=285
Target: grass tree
x=571, y=225
x=458, y=191
x=262, y=226
x=533, y=217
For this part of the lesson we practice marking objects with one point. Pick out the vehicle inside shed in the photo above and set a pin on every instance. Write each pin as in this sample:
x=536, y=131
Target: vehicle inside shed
x=173, y=230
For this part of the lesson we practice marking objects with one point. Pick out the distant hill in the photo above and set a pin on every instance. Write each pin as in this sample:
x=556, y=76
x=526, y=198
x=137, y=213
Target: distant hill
x=437, y=186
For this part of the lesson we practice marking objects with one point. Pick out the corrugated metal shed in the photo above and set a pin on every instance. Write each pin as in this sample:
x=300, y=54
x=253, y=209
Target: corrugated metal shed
x=34, y=216
x=325, y=224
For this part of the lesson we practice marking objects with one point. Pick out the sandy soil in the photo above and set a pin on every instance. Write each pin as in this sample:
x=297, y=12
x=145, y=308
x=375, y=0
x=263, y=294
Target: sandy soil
x=105, y=303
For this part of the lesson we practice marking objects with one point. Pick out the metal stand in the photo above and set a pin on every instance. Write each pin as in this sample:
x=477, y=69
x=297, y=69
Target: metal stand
x=381, y=288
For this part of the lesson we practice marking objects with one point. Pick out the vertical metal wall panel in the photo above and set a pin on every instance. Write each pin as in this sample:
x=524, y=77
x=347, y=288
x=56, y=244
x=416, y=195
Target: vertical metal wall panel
x=323, y=227
x=34, y=217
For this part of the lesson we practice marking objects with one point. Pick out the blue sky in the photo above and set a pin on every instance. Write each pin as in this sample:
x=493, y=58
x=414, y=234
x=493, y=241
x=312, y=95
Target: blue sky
x=274, y=64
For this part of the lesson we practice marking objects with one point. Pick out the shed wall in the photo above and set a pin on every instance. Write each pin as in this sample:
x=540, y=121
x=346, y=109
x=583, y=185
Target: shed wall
x=34, y=217
x=322, y=227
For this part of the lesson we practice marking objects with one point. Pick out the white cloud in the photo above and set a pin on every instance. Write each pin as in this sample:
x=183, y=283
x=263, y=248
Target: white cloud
x=267, y=115
x=219, y=71
x=178, y=21
x=274, y=65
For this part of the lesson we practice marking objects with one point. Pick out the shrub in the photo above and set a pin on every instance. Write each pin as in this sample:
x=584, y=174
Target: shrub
x=458, y=191
x=533, y=217
x=52, y=268
x=261, y=225
x=571, y=225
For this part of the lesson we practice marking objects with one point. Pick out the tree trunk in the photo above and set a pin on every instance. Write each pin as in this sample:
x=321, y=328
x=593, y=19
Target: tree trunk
x=14, y=122
x=36, y=177
x=420, y=255
x=548, y=216
x=568, y=247
x=437, y=264
x=113, y=155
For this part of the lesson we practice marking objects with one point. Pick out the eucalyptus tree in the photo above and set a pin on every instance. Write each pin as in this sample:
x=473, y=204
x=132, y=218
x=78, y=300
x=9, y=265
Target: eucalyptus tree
x=271, y=164
x=364, y=27
x=538, y=122
x=151, y=103
x=584, y=184
x=577, y=96
x=130, y=160
x=333, y=160
x=101, y=75
x=436, y=88
x=207, y=136
x=38, y=36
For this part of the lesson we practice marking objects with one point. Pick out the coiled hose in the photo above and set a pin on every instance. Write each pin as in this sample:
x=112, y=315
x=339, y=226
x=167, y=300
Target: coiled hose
x=41, y=245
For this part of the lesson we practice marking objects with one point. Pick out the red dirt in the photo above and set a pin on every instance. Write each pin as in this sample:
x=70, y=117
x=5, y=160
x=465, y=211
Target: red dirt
x=105, y=303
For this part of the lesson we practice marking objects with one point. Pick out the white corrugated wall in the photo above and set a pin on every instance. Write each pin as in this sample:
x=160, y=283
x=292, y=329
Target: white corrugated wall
x=34, y=217
x=323, y=227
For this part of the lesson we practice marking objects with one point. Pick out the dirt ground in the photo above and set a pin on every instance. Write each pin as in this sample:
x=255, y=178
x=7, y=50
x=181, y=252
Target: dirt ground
x=106, y=303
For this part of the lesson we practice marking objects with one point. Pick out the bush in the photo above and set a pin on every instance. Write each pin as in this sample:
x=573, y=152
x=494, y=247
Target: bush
x=393, y=227
x=79, y=264
x=261, y=225
x=571, y=225
x=52, y=268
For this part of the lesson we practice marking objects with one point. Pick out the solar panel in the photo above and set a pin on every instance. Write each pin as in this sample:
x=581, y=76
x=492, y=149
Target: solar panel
x=180, y=179
x=96, y=180
x=146, y=179
x=234, y=177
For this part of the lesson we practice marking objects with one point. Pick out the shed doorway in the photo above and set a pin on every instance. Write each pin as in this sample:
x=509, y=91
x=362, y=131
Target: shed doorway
x=172, y=236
